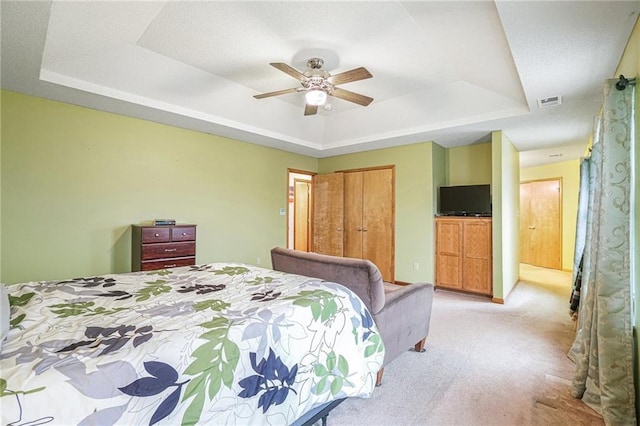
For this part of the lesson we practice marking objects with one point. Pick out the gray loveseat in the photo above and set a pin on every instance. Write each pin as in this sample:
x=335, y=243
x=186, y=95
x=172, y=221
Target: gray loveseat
x=402, y=313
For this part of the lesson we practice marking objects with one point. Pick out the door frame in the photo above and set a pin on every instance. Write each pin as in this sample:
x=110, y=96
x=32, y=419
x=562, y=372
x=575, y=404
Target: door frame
x=292, y=175
x=308, y=237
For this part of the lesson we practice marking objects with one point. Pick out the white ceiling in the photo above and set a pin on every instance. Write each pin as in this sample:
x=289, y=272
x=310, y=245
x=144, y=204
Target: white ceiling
x=446, y=71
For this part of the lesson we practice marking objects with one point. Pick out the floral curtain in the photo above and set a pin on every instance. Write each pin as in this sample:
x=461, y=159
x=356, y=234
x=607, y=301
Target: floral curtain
x=603, y=347
x=581, y=237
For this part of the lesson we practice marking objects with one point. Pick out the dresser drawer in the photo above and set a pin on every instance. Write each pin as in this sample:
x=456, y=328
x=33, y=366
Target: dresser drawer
x=168, y=263
x=186, y=233
x=168, y=250
x=156, y=235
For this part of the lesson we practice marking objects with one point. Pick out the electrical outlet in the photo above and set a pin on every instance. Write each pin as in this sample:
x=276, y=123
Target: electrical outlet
x=258, y=261
x=416, y=266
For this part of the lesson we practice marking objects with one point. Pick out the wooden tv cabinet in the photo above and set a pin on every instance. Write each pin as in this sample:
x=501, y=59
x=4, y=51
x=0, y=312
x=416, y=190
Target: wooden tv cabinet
x=464, y=254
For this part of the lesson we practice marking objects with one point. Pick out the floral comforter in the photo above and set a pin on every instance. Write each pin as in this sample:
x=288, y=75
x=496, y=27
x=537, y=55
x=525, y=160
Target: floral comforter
x=208, y=344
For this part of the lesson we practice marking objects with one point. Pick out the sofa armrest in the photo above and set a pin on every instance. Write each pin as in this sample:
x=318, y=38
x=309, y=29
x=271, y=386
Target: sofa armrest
x=405, y=318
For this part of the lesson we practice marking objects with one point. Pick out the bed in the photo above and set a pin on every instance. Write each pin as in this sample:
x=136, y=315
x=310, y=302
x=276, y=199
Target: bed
x=219, y=343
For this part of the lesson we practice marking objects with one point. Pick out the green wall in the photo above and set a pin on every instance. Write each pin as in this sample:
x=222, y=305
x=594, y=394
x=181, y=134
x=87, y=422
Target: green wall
x=416, y=181
x=0, y=188
x=630, y=67
x=569, y=172
x=469, y=165
x=497, y=163
x=506, y=205
x=74, y=179
x=439, y=175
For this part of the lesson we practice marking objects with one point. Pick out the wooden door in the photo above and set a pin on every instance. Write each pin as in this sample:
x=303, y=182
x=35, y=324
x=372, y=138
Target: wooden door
x=477, y=255
x=449, y=252
x=353, y=215
x=540, y=223
x=301, y=215
x=328, y=207
x=378, y=220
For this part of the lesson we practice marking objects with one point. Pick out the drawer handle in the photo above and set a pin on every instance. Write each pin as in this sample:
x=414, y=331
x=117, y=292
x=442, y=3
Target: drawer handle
x=173, y=265
x=156, y=235
x=184, y=234
x=170, y=250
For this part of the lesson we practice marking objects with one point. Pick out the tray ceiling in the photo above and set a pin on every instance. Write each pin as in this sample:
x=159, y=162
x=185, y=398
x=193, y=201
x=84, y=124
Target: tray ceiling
x=446, y=71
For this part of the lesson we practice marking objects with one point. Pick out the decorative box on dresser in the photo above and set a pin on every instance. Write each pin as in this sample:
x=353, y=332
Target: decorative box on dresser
x=464, y=254
x=162, y=247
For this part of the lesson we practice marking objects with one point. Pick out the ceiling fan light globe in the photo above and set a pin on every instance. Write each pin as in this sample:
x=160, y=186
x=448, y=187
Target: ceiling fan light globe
x=315, y=97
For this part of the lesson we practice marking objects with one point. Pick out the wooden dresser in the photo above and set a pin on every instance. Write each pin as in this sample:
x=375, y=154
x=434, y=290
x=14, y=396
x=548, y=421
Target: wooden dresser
x=161, y=247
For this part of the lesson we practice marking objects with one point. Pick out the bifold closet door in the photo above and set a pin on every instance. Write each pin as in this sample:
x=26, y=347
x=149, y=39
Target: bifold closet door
x=353, y=215
x=328, y=219
x=368, y=218
x=378, y=220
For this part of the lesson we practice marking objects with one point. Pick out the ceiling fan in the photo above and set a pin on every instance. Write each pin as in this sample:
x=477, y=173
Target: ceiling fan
x=318, y=84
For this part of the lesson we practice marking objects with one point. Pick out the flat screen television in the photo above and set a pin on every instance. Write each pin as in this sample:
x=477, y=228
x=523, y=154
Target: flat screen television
x=465, y=200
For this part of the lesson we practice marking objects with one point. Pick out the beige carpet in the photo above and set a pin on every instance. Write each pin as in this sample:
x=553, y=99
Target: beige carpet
x=485, y=364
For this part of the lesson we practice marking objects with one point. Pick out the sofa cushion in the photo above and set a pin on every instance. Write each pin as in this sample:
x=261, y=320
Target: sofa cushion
x=359, y=275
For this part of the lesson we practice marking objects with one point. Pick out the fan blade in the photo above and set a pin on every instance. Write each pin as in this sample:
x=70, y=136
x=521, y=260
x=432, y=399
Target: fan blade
x=351, y=96
x=349, y=76
x=288, y=70
x=310, y=109
x=276, y=93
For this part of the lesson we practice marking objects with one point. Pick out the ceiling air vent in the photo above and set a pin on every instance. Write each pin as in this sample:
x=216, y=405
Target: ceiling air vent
x=547, y=102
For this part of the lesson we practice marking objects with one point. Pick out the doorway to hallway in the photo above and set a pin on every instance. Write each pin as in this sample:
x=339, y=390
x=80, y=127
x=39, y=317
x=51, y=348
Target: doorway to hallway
x=541, y=223
x=299, y=208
